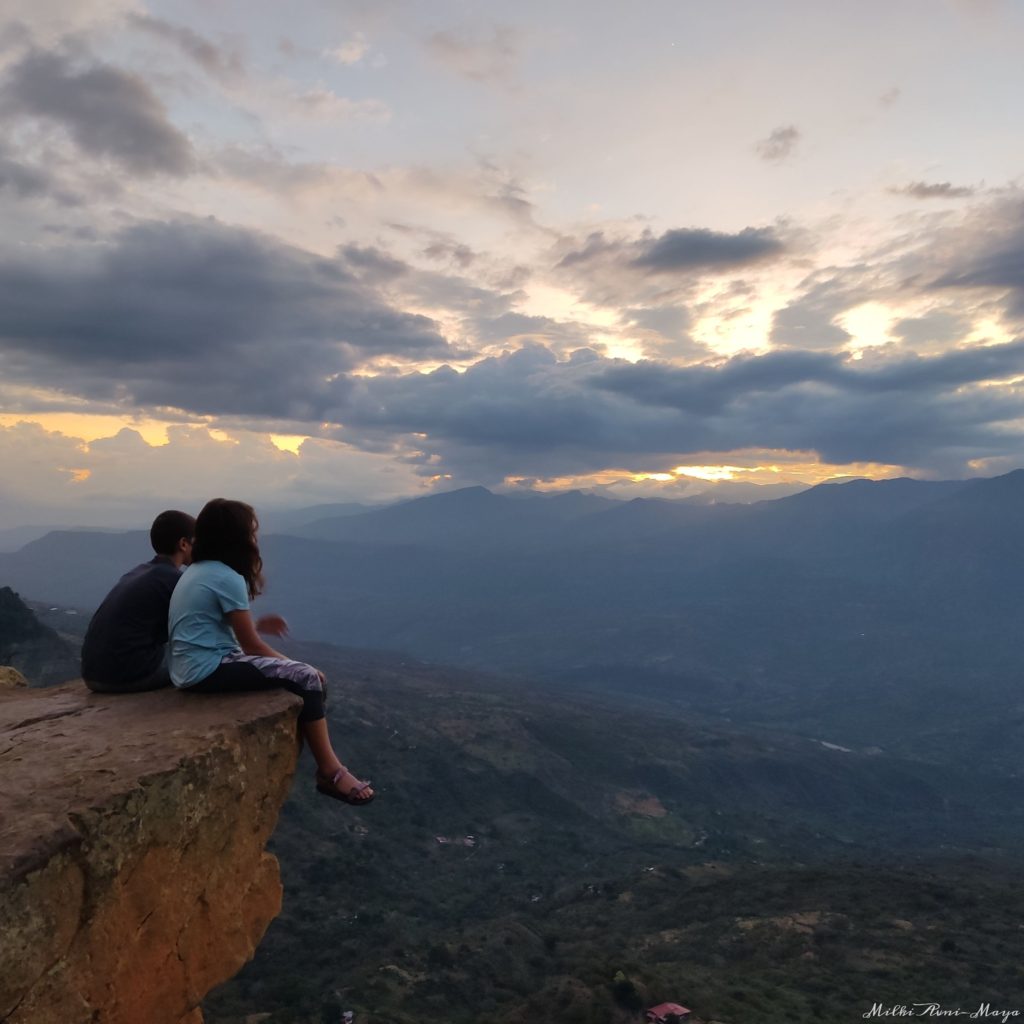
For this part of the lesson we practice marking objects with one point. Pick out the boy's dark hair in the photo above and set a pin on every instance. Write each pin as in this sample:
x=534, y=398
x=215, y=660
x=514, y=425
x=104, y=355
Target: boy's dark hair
x=226, y=532
x=168, y=528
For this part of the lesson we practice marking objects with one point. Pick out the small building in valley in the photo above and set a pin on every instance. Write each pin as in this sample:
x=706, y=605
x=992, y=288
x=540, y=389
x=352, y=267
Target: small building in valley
x=667, y=1013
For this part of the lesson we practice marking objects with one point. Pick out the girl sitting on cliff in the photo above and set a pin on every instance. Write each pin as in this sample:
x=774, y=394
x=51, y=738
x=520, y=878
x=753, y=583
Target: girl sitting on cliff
x=215, y=645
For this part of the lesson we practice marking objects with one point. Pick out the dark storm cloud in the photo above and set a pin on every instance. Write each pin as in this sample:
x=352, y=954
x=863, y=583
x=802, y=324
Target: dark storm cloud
x=107, y=111
x=217, y=61
x=197, y=316
x=709, y=388
x=524, y=407
x=933, y=190
x=779, y=145
x=917, y=412
x=684, y=252
x=529, y=414
x=689, y=249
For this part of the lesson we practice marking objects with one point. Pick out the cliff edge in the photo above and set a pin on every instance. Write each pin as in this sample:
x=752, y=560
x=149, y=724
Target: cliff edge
x=32, y=648
x=133, y=874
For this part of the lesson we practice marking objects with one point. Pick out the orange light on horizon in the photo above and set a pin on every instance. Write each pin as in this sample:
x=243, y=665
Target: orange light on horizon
x=784, y=468
x=91, y=427
x=714, y=473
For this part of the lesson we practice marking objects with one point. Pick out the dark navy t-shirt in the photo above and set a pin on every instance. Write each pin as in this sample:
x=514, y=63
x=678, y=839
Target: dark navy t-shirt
x=127, y=635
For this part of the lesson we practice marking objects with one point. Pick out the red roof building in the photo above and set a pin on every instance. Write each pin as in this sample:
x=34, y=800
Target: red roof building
x=667, y=1013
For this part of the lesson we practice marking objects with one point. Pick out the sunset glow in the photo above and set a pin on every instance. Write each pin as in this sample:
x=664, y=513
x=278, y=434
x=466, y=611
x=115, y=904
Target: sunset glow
x=380, y=250
x=90, y=426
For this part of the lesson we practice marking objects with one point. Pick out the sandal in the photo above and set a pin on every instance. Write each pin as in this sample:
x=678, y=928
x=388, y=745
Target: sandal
x=328, y=785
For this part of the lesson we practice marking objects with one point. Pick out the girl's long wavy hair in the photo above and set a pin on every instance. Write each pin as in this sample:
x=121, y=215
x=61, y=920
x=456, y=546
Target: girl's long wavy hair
x=226, y=532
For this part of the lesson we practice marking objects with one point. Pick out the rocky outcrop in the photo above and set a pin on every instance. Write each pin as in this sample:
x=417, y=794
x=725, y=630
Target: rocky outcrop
x=133, y=874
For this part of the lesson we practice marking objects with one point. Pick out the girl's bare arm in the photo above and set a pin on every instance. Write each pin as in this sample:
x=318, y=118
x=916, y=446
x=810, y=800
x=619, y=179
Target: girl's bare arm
x=248, y=639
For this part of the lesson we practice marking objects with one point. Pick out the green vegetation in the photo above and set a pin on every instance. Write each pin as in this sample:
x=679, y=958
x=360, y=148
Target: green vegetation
x=621, y=859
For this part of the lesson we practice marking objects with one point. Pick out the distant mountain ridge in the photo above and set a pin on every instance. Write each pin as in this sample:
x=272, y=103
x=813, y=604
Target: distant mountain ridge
x=454, y=518
x=843, y=611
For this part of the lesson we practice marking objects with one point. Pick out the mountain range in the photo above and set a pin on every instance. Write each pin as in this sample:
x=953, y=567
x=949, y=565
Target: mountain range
x=866, y=613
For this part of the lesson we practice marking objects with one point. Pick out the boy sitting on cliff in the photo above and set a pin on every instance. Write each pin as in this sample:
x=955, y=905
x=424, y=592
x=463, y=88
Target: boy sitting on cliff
x=125, y=645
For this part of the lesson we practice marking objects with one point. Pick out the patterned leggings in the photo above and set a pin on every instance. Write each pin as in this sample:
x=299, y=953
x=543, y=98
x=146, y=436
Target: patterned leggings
x=242, y=673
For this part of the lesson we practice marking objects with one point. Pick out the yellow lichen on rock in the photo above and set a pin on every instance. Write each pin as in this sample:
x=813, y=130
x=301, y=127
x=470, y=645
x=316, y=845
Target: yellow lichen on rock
x=11, y=677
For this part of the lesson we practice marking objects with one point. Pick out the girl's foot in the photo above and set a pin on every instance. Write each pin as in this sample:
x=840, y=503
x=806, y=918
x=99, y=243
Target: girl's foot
x=344, y=786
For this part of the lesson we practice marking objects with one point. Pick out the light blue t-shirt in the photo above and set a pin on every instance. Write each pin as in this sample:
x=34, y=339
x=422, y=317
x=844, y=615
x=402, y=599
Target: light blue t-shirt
x=199, y=633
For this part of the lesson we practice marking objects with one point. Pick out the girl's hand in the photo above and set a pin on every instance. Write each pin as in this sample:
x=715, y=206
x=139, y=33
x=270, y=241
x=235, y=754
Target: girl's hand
x=272, y=625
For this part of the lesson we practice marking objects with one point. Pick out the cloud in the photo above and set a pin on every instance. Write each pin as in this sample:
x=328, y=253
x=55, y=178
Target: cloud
x=529, y=413
x=412, y=286
x=121, y=480
x=809, y=321
x=986, y=251
x=681, y=249
x=267, y=168
x=29, y=181
x=932, y=332
x=506, y=328
x=352, y=51
x=48, y=21
x=237, y=324
x=220, y=62
x=373, y=264
x=659, y=270
x=923, y=412
x=414, y=200
x=481, y=57
x=197, y=316
x=699, y=248
x=322, y=102
x=448, y=250
x=664, y=331
x=524, y=408
x=780, y=145
x=708, y=388
x=108, y=112
x=936, y=190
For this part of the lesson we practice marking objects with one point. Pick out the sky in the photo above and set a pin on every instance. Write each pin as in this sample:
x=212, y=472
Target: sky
x=359, y=251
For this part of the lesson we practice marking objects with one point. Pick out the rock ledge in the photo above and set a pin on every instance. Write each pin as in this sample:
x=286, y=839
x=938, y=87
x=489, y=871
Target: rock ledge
x=133, y=874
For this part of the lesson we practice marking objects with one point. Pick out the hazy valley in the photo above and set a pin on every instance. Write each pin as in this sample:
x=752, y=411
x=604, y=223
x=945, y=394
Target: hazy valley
x=844, y=612
x=537, y=858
